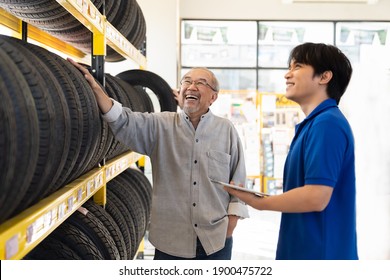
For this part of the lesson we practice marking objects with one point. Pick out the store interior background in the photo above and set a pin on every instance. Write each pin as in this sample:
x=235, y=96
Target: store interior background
x=366, y=103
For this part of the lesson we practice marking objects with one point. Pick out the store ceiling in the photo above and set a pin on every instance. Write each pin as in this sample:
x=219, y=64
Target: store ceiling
x=331, y=1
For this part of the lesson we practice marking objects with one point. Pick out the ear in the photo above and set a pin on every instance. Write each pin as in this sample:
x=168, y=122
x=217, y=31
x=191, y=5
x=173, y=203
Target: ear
x=326, y=77
x=213, y=98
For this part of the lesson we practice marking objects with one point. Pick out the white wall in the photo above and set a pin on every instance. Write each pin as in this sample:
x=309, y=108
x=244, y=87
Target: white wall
x=367, y=105
x=275, y=9
x=161, y=35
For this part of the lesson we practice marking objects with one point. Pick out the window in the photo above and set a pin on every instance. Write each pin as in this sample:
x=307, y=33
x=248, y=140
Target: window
x=365, y=42
x=218, y=43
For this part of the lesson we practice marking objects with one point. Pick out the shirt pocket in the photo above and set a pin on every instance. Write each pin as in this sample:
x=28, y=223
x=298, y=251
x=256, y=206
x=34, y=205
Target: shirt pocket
x=218, y=165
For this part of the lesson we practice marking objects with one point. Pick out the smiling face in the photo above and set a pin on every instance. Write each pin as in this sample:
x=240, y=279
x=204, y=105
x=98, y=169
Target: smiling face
x=197, y=92
x=305, y=87
x=302, y=85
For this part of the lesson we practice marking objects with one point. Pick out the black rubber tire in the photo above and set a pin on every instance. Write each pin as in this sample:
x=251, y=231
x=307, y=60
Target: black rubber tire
x=135, y=99
x=52, y=249
x=139, y=188
x=147, y=101
x=133, y=204
x=18, y=122
x=54, y=123
x=119, y=217
x=76, y=240
x=155, y=83
x=45, y=110
x=130, y=223
x=88, y=223
x=115, y=91
x=91, y=120
x=110, y=224
x=71, y=96
x=119, y=91
x=124, y=21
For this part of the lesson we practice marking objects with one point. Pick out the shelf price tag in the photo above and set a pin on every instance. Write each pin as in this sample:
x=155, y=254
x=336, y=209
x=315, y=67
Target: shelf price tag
x=79, y=3
x=99, y=180
x=11, y=247
x=70, y=203
x=85, y=7
x=79, y=194
x=61, y=210
x=39, y=226
x=47, y=219
x=108, y=173
x=90, y=187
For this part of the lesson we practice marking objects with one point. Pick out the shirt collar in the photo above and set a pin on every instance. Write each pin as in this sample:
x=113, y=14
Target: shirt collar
x=324, y=105
x=207, y=115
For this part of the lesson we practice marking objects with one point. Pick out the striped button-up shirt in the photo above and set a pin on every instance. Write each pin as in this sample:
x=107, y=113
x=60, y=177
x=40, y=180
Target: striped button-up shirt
x=186, y=204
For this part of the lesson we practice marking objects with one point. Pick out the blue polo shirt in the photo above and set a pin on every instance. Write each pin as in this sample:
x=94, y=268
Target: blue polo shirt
x=321, y=153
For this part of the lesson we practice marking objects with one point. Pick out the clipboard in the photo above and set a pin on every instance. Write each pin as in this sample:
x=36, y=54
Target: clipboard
x=240, y=188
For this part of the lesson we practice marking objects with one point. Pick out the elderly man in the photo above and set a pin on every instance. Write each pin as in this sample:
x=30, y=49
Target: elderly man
x=191, y=218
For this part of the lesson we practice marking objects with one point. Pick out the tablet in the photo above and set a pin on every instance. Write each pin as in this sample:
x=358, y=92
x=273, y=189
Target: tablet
x=240, y=188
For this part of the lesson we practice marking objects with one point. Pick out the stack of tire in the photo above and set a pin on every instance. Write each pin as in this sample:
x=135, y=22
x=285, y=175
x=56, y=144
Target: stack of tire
x=48, y=15
x=51, y=131
x=97, y=233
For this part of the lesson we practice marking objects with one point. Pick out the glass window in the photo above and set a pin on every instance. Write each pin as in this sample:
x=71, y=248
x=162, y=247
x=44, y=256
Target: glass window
x=233, y=79
x=277, y=38
x=272, y=80
x=218, y=43
x=365, y=42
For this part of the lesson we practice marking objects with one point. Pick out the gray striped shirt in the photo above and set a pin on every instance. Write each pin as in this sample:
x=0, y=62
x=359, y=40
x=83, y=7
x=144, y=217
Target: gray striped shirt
x=185, y=204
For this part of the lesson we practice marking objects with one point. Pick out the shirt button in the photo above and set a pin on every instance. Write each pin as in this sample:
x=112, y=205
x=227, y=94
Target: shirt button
x=194, y=183
x=195, y=161
x=196, y=225
x=194, y=204
x=197, y=140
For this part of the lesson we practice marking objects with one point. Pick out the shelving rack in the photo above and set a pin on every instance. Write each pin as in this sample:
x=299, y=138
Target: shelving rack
x=20, y=234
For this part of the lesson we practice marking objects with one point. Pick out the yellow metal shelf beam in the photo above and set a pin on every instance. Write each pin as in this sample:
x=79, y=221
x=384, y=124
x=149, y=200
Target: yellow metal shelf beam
x=91, y=18
x=14, y=24
x=21, y=234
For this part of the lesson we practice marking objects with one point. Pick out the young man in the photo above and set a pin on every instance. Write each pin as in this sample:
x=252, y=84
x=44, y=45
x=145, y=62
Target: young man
x=190, y=217
x=318, y=201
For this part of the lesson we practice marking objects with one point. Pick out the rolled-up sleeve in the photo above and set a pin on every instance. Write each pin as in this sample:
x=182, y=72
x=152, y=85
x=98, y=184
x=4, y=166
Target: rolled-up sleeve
x=114, y=113
x=238, y=209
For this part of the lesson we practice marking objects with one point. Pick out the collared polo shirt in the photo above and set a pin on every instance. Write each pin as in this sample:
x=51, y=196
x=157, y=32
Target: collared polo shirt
x=321, y=153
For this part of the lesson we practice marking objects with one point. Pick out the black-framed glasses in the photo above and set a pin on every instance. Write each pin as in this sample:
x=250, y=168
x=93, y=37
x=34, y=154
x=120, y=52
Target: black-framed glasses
x=198, y=83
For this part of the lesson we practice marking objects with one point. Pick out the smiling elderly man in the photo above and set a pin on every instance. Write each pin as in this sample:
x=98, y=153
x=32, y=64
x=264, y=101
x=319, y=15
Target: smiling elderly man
x=191, y=218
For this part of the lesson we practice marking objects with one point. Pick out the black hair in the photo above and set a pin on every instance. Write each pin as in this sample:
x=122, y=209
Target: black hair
x=323, y=58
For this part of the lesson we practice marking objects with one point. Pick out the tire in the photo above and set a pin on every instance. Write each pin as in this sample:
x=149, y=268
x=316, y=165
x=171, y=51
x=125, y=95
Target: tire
x=91, y=120
x=134, y=206
x=136, y=184
x=76, y=240
x=88, y=223
x=52, y=249
x=155, y=83
x=135, y=98
x=110, y=224
x=18, y=122
x=130, y=223
x=54, y=123
x=69, y=93
x=149, y=107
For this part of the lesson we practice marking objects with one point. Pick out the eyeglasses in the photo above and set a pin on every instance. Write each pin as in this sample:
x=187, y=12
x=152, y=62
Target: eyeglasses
x=197, y=83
